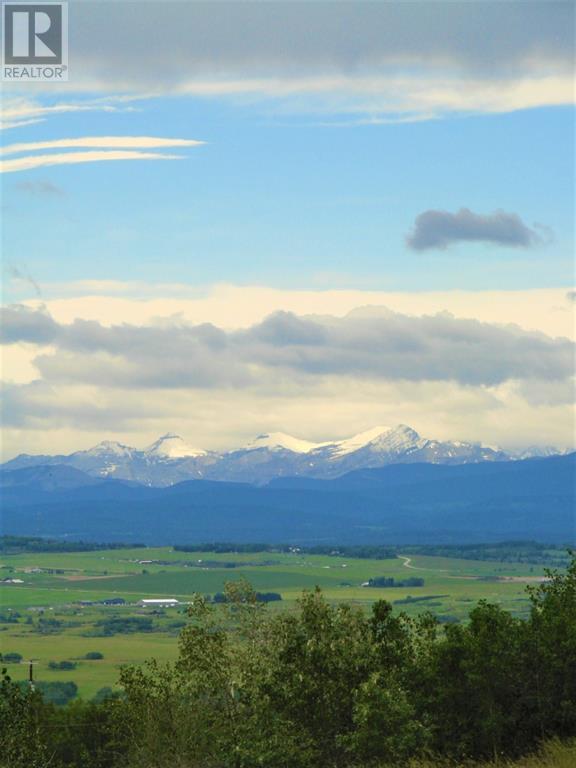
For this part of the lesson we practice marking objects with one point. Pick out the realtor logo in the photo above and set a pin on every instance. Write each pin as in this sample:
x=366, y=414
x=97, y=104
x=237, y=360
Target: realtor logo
x=35, y=41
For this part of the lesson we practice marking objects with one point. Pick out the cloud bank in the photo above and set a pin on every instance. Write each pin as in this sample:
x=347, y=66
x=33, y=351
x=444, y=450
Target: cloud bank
x=415, y=60
x=363, y=345
x=440, y=229
x=318, y=376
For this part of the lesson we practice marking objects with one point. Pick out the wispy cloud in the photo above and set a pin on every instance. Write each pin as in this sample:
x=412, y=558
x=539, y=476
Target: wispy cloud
x=101, y=142
x=18, y=112
x=389, y=97
x=72, y=158
x=23, y=276
x=100, y=149
x=40, y=188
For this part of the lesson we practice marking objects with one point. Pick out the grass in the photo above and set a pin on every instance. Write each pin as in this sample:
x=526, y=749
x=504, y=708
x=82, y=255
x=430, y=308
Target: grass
x=90, y=676
x=92, y=576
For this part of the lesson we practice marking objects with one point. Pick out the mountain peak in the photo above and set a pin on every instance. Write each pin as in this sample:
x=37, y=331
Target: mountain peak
x=171, y=460
x=383, y=438
x=172, y=446
x=275, y=441
x=107, y=447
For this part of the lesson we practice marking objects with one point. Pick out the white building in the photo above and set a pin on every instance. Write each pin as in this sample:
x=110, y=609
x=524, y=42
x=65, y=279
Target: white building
x=161, y=602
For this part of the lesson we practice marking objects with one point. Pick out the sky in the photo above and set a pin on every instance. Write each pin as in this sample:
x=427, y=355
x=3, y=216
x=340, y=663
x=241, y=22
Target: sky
x=313, y=218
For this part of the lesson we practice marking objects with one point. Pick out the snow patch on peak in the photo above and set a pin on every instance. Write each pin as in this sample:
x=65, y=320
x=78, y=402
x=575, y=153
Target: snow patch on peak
x=539, y=452
x=351, y=444
x=171, y=446
x=107, y=448
x=276, y=441
x=385, y=439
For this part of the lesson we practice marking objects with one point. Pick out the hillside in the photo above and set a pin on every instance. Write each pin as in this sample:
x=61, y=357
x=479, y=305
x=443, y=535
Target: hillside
x=416, y=503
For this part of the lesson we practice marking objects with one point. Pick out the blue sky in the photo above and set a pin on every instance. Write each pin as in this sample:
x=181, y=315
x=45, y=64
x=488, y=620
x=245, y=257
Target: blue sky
x=289, y=202
x=140, y=270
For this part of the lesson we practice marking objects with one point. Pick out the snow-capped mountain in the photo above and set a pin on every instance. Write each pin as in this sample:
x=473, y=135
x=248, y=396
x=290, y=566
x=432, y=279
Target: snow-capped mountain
x=108, y=448
x=170, y=459
x=539, y=451
x=278, y=441
x=171, y=446
x=381, y=438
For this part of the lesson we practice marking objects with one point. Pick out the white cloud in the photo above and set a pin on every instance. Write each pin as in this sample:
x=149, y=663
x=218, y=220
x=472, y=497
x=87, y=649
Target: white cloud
x=71, y=158
x=101, y=142
x=101, y=149
x=18, y=111
x=412, y=98
x=108, y=148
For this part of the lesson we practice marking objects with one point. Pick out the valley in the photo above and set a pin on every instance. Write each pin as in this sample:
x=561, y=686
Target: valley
x=62, y=606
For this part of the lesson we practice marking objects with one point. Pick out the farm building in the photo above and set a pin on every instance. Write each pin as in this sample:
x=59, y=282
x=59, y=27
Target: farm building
x=162, y=602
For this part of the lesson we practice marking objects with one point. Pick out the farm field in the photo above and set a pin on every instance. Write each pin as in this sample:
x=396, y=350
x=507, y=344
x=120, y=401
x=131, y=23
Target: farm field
x=51, y=612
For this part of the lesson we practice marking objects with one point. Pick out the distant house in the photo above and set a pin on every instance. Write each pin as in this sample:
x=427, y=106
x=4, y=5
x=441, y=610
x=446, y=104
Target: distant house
x=11, y=581
x=160, y=602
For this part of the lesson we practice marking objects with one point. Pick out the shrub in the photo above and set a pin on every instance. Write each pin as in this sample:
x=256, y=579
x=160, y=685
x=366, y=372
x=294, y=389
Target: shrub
x=64, y=665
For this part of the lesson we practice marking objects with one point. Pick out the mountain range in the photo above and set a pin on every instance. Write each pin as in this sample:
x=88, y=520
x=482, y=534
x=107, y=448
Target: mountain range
x=170, y=459
x=400, y=503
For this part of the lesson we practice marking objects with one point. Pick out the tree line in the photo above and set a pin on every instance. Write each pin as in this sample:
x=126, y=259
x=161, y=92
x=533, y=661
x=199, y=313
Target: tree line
x=507, y=551
x=321, y=686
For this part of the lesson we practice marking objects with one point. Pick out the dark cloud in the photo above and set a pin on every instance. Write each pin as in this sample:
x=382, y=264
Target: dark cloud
x=38, y=405
x=19, y=323
x=375, y=62
x=390, y=346
x=169, y=41
x=440, y=229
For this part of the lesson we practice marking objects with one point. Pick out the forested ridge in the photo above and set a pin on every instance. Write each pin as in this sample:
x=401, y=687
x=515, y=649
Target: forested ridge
x=324, y=686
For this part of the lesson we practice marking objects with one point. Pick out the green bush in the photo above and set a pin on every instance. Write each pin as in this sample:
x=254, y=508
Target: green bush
x=65, y=665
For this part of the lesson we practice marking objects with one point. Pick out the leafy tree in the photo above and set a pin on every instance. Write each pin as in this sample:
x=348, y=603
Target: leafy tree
x=551, y=653
x=83, y=735
x=21, y=745
x=56, y=692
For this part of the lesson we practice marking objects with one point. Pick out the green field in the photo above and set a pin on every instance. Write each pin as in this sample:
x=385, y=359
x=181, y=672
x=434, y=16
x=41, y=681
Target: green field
x=51, y=625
